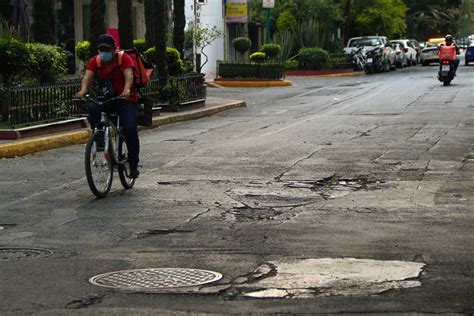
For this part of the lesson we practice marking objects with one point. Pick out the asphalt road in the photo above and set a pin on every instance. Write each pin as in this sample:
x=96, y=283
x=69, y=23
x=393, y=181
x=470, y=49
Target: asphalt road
x=276, y=196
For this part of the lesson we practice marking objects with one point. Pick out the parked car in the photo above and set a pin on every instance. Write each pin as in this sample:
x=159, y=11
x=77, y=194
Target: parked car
x=400, y=58
x=469, y=53
x=429, y=54
x=368, y=42
x=418, y=49
x=408, y=49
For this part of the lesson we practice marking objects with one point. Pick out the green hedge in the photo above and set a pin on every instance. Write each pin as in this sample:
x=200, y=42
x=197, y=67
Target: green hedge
x=313, y=58
x=175, y=64
x=338, y=61
x=250, y=70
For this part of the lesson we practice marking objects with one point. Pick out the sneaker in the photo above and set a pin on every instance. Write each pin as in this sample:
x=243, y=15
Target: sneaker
x=134, y=173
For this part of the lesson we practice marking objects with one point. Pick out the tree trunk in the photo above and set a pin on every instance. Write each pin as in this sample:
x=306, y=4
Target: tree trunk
x=161, y=12
x=43, y=28
x=97, y=21
x=124, y=10
x=179, y=25
x=348, y=21
x=149, y=24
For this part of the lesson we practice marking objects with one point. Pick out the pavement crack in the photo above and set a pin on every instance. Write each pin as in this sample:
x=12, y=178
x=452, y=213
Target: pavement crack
x=281, y=175
x=198, y=215
x=85, y=302
x=416, y=132
x=263, y=271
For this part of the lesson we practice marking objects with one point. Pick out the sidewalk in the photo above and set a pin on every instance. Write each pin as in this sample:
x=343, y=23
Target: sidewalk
x=17, y=148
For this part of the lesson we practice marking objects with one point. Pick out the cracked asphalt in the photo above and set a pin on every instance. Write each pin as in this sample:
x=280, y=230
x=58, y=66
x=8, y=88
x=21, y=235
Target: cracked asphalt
x=376, y=168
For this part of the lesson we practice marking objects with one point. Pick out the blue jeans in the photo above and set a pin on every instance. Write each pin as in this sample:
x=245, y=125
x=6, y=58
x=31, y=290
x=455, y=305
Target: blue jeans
x=128, y=113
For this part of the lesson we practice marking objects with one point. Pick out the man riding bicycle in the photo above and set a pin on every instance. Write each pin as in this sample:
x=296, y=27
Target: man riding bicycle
x=115, y=79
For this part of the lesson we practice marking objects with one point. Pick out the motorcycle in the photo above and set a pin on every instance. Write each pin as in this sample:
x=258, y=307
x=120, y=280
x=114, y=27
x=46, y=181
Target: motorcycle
x=374, y=60
x=358, y=59
x=447, y=56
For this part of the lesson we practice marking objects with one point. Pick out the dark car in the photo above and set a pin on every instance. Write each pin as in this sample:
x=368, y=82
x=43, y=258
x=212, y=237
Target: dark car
x=470, y=53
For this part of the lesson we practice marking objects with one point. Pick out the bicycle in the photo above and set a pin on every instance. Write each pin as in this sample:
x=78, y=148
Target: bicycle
x=106, y=150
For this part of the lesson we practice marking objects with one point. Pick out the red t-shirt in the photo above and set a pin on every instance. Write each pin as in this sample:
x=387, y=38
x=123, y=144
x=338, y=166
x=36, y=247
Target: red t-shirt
x=112, y=71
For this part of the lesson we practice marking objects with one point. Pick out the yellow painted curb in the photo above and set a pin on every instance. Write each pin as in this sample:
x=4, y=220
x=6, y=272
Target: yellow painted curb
x=30, y=146
x=253, y=84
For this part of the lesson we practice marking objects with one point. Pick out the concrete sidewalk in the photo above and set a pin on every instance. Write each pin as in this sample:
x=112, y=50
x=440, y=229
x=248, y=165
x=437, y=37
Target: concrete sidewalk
x=17, y=148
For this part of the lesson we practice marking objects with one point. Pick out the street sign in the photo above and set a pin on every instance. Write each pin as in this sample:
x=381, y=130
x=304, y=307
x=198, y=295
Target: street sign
x=269, y=4
x=201, y=2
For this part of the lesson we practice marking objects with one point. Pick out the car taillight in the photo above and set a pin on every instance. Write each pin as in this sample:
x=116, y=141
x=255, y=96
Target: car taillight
x=405, y=50
x=446, y=62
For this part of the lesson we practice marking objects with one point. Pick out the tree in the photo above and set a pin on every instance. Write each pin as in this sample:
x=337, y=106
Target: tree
x=203, y=37
x=43, y=28
x=427, y=18
x=97, y=21
x=179, y=21
x=384, y=17
x=124, y=10
x=160, y=10
x=149, y=24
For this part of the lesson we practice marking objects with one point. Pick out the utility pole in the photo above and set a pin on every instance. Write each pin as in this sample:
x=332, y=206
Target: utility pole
x=269, y=5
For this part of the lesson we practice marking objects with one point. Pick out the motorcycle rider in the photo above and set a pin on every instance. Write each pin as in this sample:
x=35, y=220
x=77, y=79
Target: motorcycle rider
x=449, y=41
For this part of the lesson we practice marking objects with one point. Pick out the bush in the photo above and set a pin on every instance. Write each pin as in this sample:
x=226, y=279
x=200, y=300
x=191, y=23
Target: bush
x=258, y=57
x=140, y=45
x=250, y=70
x=312, y=58
x=286, y=21
x=47, y=62
x=241, y=44
x=15, y=58
x=175, y=64
x=291, y=64
x=83, y=51
x=271, y=50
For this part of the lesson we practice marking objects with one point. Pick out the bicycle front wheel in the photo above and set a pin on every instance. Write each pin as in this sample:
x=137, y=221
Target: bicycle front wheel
x=99, y=165
x=124, y=165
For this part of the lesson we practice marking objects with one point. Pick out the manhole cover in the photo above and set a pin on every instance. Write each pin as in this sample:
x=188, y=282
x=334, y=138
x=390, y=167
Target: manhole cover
x=18, y=254
x=167, y=278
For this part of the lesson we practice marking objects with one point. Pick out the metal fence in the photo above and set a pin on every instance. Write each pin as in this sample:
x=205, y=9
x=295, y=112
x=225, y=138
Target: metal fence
x=182, y=89
x=44, y=103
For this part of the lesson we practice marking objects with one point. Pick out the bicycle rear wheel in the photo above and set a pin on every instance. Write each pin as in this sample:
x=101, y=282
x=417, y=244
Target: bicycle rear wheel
x=124, y=166
x=99, y=165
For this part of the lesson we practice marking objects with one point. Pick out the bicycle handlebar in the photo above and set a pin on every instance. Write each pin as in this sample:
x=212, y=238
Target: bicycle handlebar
x=88, y=98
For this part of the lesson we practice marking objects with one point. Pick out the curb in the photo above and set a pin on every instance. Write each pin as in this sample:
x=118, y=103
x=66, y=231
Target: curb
x=26, y=147
x=253, y=84
x=357, y=74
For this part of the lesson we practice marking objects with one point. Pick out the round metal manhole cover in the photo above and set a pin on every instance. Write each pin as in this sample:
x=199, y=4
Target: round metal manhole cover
x=19, y=254
x=155, y=279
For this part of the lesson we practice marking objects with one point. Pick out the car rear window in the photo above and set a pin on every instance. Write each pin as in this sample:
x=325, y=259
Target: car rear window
x=364, y=42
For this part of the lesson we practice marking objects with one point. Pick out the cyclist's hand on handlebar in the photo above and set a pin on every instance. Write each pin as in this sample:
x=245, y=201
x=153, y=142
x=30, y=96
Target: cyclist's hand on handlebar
x=80, y=94
x=126, y=93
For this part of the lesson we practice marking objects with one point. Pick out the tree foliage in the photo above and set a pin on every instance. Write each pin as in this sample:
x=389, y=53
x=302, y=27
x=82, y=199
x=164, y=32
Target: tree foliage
x=383, y=17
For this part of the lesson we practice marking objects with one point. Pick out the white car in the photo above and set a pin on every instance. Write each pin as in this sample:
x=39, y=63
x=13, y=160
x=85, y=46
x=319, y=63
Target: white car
x=409, y=50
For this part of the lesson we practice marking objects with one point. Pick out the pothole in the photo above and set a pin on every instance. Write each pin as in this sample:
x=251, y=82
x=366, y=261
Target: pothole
x=311, y=278
x=295, y=193
x=162, y=279
x=20, y=254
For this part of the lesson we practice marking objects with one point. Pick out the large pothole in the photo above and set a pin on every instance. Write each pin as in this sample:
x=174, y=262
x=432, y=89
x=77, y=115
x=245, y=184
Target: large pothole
x=330, y=277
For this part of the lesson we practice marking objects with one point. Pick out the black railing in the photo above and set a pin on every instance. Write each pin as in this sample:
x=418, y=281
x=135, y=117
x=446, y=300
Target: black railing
x=45, y=103
x=181, y=89
x=38, y=103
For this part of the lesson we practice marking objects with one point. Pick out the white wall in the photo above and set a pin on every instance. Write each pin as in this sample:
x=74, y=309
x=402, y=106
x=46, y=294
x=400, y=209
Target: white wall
x=211, y=15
